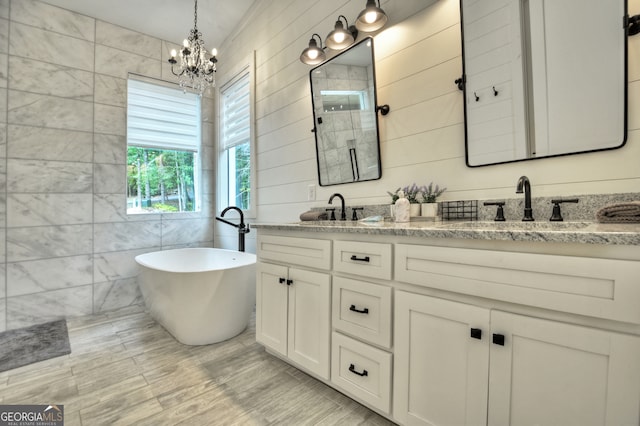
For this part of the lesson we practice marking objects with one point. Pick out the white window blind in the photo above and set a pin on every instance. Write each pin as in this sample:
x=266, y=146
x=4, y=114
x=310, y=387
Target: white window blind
x=236, y=114
x=162, y=117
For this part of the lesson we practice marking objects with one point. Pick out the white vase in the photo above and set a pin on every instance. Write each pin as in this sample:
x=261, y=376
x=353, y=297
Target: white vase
x=429, y=209
x=414, y=210
x=402, y=210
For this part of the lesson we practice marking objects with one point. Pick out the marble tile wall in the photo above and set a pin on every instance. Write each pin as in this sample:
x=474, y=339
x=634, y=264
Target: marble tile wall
x=67, y=246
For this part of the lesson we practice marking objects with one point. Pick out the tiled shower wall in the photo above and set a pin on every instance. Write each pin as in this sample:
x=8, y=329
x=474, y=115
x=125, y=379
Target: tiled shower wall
x=342, y=130
x=67, y=246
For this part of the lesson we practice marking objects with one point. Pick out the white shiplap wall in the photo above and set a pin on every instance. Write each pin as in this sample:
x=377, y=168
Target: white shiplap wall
x=418, y=56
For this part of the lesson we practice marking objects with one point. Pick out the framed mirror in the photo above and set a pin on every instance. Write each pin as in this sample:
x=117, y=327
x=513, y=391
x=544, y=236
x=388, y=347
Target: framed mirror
x=343, y=93
x=543, y=78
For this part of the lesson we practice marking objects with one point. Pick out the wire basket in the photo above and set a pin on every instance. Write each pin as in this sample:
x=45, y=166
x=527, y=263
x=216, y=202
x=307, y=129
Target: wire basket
x=460, y=210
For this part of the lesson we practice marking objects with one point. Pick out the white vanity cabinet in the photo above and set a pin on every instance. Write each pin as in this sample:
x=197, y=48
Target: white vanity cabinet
x=453, y=360
x=549, y=372
x=361, y=361
x=447, y=331
x=293, y=305
x=457, y=363
x=441, y=361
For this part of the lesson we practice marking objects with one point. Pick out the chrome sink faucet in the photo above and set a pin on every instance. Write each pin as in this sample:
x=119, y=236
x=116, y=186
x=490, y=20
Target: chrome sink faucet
x=524, y=184
x=343, y=213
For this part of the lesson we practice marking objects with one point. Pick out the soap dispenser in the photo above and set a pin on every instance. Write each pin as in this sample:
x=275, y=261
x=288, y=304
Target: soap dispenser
x=402, y=209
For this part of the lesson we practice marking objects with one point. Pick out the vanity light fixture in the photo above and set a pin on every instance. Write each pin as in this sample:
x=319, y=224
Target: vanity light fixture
x=372, y=18
x=313, y=54
x=340, y=37
x=197, y=67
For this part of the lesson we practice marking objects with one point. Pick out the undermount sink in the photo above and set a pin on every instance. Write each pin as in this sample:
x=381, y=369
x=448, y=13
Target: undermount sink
x=519, y=226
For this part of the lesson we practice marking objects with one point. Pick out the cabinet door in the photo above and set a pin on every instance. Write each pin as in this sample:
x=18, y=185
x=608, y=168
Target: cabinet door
x=440, y=370
x=271, y=306
x=309, y=320
x=555, y=373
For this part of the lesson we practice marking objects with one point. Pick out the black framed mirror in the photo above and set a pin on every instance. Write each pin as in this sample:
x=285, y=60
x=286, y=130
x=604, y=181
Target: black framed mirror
x=543, y=78
x=344, y=100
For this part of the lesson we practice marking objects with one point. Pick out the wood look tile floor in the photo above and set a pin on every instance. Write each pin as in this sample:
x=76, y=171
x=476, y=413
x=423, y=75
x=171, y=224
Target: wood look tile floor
x=125, y=369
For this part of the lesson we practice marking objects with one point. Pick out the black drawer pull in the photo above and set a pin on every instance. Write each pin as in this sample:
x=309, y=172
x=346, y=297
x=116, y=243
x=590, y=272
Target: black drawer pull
x=353, y=308
x=281, y=280
x=360, y=259
x=352, y=368
x=289, y=282
x=498, y=339
x=476, y=333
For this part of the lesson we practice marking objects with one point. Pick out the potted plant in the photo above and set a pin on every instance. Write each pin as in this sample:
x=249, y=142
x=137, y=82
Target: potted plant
x=430, y=194
x=413, y=193
x=394, y=198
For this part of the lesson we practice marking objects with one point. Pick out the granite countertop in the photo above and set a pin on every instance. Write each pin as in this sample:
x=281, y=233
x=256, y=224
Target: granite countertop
x=557, y=232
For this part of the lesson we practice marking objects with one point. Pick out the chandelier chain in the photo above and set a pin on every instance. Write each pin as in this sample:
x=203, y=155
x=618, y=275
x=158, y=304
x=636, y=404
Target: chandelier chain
x=195, y=16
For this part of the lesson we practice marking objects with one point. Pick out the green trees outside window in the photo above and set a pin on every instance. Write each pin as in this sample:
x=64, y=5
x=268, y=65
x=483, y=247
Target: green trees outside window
x=160, y=180
x=241, y=156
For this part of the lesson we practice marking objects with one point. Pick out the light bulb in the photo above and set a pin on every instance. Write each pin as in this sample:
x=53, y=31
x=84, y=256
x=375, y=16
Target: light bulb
x=185, y=43
x=313, y=53
x=370, y=17
x=339, y=37
x=173, y=53
x=214, y=52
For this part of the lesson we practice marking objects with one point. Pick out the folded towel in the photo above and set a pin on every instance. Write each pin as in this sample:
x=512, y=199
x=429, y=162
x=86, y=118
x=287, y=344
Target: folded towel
x=313, y=215
x=620, y=213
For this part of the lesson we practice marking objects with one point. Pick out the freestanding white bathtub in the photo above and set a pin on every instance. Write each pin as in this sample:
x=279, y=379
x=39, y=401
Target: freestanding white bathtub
x=200, y=295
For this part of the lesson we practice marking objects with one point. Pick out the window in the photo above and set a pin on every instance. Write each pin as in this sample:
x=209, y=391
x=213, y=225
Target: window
x=163, y=143
x=236, y=160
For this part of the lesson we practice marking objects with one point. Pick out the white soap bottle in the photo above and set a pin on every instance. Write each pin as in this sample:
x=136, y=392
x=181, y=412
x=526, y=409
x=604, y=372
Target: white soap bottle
x=402, y=209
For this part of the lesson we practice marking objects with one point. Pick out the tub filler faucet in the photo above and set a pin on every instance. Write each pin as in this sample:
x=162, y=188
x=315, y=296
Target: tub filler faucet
x=242, y=227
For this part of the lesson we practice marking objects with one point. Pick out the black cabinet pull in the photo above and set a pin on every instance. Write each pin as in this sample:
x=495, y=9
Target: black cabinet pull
x=289, y=282
x=498, y=339
x=281, y=280
x=354, y=309
x=360, y=259
x=352, y=368
x=476, y=333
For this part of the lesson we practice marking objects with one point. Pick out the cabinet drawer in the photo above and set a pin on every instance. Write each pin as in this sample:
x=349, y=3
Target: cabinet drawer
x=602, y=288
x=296, y=251
x=361, y=370
x=366, y=259
x=363, y=310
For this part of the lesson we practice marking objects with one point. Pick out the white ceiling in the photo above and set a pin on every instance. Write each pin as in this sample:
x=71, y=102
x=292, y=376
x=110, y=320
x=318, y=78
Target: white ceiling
x=169, y=20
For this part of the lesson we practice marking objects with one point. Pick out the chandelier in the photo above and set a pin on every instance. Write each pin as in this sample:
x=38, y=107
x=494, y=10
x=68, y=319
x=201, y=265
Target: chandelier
x=197, y=67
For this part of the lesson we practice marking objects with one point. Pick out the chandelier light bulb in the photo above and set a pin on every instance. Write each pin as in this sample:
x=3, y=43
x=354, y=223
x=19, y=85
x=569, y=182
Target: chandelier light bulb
x=214, y=52
x=185, y=42
x=173, y=53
